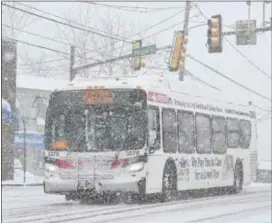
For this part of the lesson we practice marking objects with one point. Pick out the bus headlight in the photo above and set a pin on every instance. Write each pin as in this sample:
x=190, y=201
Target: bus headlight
x=50, y=168
x=133, y=164
x=135, y=167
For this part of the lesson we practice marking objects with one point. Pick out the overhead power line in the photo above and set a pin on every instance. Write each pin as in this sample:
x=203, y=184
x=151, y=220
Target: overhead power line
x=205, y=23
x=263, y=109
x=139, y=7
x=162, y=21
x=201, y=81
x=44, y=62
x=62, y=18
x=41, y=47
x=253, y=64
x=265, y=117
x=229, y=79
x=148, y=28
x=34, y=34
x=237, y=50
x=129, y=55
x=133, y=8
x=167, y=28
x=163, y=30
x=119, y=39
x=153, y=34
x=190, y=74
x=65, y=24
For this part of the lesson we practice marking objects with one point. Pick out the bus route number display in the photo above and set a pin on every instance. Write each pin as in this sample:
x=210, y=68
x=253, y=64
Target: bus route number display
x=97, y=96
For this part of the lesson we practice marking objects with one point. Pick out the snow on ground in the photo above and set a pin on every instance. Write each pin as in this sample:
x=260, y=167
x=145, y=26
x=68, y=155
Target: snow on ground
x=237, y=210
x=26, y=197
x=19, y=178
x=30, y=204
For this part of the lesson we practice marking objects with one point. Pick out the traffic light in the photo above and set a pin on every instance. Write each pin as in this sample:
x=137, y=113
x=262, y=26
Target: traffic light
x=137, y=44
x=215, y=34
x=179, y=49
x=183, y=51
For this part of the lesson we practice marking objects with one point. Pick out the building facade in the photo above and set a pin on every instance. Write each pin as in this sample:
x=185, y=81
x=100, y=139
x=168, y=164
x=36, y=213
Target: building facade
x=32, y=100
x=8, y=77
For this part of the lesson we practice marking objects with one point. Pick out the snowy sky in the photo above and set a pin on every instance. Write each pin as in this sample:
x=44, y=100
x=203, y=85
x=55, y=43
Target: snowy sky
x=229, y=62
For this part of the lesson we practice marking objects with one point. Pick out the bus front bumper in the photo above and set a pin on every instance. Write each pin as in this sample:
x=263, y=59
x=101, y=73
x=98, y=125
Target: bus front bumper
x=100, y=186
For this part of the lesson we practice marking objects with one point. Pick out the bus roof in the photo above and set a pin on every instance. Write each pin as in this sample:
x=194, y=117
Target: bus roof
x=167, y=84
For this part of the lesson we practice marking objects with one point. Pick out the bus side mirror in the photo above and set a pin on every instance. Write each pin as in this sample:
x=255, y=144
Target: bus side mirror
x=152, y=142
x=152, y=149
x=152, y=137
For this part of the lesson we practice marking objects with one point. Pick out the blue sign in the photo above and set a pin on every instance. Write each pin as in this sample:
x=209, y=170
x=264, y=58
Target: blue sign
x=6, y=112
x=33, y=140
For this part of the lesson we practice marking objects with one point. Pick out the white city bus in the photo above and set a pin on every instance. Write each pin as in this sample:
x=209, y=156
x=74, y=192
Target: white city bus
x=139, y=136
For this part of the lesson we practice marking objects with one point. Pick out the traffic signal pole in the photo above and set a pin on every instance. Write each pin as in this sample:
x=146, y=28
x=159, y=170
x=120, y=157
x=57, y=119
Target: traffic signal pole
x=76, y=69
x=185, y=31
x=72, y=62
x=248, y=5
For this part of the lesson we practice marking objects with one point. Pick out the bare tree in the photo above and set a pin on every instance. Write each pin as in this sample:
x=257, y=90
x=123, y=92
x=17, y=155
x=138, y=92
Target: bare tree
x=15, y=23
x=91, y=47
x=16, y=20
x=42, y=66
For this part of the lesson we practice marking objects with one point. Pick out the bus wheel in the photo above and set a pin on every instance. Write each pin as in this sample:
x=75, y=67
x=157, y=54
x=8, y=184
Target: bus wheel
x=129, y=198
x=109, y=198
x=238, y=179
x=67, y=197
x=169, y=183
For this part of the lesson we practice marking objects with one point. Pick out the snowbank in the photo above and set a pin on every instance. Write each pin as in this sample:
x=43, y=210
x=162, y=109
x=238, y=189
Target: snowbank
x=257, y=185
x=265, y=165
x=19, y=178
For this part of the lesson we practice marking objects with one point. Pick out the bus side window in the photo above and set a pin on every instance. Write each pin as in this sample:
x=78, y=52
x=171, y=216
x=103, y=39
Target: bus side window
x=169, y=130
x=233, y=132
x=154, y=127
x=186, y=132
x=203, y=133
x=219, y=135
x=245, y=134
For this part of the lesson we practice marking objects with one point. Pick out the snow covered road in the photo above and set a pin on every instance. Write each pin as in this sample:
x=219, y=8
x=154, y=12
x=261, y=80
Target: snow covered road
x=30, y=204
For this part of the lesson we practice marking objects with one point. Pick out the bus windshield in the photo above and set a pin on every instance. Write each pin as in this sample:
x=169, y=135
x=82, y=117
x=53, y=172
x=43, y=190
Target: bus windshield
x=90, y=128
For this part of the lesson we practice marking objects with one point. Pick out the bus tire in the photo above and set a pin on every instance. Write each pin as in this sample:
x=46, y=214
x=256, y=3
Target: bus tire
x=169, y=182
x=68, y=197
x=129, y=198
x=109, y=198
x=238, y=179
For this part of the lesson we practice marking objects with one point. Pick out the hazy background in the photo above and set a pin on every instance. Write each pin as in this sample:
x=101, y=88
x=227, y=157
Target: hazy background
x=104, y=18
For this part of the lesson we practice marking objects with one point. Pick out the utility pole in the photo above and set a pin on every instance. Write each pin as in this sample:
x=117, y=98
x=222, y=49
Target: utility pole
x=263, y=23
x=72, y=62
x=185, y=31
x=249, y=28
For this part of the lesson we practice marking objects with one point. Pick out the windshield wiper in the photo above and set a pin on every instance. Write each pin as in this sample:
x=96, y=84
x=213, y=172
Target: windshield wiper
x=78, y=139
